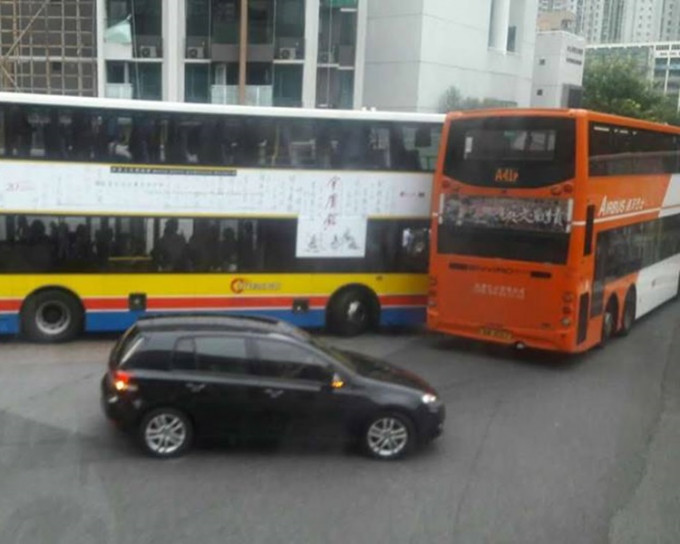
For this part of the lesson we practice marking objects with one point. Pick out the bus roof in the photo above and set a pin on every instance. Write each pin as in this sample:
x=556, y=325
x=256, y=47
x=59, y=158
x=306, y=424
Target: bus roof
x=213, y=109
x=564, y=112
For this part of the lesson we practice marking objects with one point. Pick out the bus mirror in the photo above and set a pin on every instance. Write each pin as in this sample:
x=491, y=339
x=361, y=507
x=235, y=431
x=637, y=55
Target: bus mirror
x=423, y=137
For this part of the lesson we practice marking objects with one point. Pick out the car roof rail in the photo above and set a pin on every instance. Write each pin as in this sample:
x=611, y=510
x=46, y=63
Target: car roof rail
x=210, y=315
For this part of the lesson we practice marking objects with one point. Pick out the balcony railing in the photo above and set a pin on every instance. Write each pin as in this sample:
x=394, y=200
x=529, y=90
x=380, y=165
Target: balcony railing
x=256, y=95
x=119, y=90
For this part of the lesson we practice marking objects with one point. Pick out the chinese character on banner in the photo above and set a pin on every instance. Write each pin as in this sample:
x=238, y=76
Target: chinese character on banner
x=331, y=221
x=334, y=182
x=332, y=202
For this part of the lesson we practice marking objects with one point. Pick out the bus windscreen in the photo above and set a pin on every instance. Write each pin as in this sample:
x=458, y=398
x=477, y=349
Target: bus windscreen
x=520, y=152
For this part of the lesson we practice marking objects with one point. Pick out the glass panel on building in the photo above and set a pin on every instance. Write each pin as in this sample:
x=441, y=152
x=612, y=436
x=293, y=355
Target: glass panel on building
x=288, y=85
x=197, y=83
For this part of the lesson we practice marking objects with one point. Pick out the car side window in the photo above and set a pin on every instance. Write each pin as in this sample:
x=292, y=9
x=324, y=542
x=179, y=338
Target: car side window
x=283, y=360
x=222, y=354
x=184, y=355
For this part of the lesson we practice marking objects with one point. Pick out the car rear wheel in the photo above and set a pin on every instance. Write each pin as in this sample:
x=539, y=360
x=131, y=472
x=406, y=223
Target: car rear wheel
x=165, y=433
x=389, y=436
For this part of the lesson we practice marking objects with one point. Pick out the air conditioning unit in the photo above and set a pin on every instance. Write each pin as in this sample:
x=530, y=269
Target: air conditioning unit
x=287, y=53
x=148, y=51
x=325, y=57
x=197, y=52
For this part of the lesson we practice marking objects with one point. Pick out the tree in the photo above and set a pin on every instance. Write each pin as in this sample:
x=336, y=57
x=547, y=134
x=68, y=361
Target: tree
x=620, y=87
x=453, y=100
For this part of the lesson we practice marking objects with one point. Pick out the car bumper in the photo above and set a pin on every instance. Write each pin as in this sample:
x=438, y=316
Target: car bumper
x=116, y=408
x=432, y=422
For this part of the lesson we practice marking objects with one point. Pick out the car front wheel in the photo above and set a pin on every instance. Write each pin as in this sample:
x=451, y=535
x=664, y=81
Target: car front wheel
x=388, y=436
x=165, y=433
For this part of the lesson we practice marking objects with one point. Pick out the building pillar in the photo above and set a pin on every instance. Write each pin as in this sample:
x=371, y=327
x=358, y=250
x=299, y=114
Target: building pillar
x=310, y=67
x=101, y=24
x=174, y=37
x=500, y=21
x=360, y=58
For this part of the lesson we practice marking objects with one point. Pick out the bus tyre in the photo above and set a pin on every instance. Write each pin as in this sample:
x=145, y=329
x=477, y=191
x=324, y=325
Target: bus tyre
x=609, y=322
x=350, y=313
x=51, y=316
x=628, y=319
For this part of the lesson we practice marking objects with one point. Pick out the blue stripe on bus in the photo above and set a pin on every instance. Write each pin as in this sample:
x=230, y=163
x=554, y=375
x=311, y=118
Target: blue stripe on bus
x=9, y=324
x=119, y=321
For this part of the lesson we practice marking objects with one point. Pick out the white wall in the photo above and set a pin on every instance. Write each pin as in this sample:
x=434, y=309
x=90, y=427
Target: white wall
x=556, y=72
x=417, y=49
x=391, y=65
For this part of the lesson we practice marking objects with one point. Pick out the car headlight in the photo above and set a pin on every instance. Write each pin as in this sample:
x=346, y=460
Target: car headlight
x=429, y=398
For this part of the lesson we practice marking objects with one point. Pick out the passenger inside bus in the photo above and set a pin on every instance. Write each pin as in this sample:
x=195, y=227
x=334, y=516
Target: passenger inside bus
x=170, y=251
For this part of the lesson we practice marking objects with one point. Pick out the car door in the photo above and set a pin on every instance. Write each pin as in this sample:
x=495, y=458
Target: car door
x=295, y=394
x=212, y=371
x=226, y=401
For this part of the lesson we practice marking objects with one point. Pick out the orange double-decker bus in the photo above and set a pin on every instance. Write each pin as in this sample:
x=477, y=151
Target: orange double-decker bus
x=553, y=229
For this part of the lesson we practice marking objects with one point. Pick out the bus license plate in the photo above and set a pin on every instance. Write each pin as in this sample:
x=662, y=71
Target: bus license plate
x=495, y=333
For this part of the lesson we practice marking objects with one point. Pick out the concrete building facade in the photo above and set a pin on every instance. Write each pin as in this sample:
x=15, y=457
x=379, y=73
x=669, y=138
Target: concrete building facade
x=313, y=53
x=417, y=49
x=558, y=70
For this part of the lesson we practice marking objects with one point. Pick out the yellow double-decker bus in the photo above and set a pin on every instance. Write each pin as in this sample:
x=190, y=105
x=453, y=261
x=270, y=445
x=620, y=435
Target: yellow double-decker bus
x=110, y=209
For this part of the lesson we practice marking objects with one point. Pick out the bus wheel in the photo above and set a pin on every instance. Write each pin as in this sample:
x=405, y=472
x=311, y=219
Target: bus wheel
x=609, y=321
x=51, y=316
x=628, y=319
x=351, y=312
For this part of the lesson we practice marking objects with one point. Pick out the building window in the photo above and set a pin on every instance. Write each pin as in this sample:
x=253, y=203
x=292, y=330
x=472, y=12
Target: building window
x=197, y=83
x=198, y=18
x=288, y=85
x=146, y=80
x=541, y=62
x=539, y=92
x=512, y=39
x=115, y=72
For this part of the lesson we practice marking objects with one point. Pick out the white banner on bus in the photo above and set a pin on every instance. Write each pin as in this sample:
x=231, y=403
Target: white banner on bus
x=82, y=188
x=331, y=237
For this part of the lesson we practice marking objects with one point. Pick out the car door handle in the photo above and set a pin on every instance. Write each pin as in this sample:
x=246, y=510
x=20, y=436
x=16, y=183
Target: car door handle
x=273, y=393
x=195, y=387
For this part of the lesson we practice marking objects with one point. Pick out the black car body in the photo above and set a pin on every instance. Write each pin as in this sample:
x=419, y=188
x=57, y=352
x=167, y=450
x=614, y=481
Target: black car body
x=175, y=376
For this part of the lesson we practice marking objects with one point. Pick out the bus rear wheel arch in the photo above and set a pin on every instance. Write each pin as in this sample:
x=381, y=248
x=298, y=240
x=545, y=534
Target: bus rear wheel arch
x=52, y=315
x=629, y=311
x=353, y=310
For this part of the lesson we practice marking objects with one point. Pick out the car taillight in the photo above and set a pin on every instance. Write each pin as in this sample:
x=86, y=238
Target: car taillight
x=122, y=381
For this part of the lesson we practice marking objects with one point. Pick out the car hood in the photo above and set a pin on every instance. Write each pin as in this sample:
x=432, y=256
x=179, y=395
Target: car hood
x=382, y=371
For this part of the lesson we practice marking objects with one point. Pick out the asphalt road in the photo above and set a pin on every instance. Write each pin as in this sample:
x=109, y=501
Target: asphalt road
x=536, y=449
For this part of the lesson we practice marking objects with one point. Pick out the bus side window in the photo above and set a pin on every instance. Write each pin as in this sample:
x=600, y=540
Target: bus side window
x=415, y=241
x=296, y=144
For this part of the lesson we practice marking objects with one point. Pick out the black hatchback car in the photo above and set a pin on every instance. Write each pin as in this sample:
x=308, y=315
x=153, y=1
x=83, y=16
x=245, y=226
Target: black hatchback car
x=172, y=378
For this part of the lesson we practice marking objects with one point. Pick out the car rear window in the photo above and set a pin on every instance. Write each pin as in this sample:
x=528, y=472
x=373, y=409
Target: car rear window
x=121, y=349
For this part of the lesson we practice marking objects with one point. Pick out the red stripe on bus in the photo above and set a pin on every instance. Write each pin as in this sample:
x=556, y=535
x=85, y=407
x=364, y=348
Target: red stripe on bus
x=182, y=302
x=10, y=305
x=403, y=300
